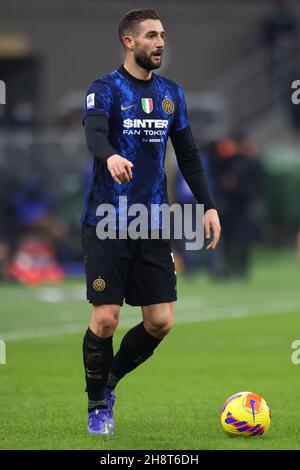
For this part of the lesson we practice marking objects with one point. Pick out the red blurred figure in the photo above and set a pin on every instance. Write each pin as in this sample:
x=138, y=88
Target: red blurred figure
x=34, y=263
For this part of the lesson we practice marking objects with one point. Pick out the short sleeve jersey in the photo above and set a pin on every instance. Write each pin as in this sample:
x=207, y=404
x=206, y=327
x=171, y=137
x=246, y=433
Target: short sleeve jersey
x=141, y=115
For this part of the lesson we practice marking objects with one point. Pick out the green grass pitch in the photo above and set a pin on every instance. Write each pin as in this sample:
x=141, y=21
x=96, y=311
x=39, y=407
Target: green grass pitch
x=227, y=338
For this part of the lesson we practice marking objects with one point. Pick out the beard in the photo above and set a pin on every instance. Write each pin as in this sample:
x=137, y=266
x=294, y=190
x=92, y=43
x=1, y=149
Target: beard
x=145, y=61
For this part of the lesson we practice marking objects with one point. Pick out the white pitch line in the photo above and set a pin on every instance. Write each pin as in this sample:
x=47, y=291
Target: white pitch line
x=192, y=314
x=43, y=332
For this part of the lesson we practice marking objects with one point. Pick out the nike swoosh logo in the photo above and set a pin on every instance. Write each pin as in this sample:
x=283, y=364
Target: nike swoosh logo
x=123, y=108
x=107, y=428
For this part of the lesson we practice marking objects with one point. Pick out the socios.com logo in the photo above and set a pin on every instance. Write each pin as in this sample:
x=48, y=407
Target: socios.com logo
x=2, y=92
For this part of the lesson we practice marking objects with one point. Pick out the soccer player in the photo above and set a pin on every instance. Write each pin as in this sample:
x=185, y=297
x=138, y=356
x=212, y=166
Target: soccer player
x=129, y=115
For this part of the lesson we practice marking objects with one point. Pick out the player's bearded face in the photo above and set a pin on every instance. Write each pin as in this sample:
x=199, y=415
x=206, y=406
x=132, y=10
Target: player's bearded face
x=149, y=44
x=148, y=60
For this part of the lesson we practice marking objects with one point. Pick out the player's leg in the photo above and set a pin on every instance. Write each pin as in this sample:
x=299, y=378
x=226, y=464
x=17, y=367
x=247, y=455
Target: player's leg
x=97, y=358
x=106, y=266
x=98, y=352
x=140, y=341
x=151, y=284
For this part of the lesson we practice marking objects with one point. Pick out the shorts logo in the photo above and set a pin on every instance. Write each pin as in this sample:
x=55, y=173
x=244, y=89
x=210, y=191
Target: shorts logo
x=147, y=105
x=99, y=284
x=168, y=106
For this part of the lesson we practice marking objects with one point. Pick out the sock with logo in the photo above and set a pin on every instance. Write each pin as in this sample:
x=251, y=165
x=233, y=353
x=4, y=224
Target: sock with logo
x=136, y=346
x=97, y=359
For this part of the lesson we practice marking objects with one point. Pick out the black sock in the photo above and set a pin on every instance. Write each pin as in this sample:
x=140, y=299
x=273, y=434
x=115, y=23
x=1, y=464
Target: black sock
x=97, y=359
x=136, y=346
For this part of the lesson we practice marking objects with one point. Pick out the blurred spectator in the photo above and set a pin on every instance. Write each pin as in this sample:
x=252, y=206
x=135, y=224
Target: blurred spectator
x=33, y=210
x=239, y=178
x=35, y=262
x=6, y=228
x=4, y=259
x=41, y=232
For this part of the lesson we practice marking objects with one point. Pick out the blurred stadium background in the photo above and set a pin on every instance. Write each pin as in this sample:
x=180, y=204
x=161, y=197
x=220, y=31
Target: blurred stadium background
x=236, y=60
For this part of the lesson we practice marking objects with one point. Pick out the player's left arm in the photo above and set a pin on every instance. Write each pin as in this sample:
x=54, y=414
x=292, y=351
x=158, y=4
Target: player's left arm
x=191, y=167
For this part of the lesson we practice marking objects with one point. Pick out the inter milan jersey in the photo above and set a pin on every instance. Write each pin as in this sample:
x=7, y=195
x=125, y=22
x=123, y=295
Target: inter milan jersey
x=141, y=115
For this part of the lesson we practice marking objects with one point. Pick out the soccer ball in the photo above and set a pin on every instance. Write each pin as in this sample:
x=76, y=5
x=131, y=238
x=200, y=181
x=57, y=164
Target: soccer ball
x=245, y=414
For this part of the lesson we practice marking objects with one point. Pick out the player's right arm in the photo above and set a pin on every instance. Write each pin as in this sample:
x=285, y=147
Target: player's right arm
x=97, y=109
x=96, y=136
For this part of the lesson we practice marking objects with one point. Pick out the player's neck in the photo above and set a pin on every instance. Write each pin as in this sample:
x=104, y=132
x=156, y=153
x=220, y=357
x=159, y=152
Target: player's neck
x=136, y=71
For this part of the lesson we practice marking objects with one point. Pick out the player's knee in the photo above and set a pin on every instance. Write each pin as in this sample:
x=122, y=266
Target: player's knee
x=159, y=328
x=105, y=318
x=166, y=327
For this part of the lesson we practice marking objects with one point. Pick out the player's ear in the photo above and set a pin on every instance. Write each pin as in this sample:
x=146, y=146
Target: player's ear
x=128, y=42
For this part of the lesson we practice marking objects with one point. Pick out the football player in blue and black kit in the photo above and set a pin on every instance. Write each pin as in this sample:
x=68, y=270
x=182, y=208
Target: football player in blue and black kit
x=129, y=116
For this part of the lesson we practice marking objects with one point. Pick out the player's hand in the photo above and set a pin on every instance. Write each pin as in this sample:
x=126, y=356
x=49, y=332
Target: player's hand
x=212, y=225
x=120, y=168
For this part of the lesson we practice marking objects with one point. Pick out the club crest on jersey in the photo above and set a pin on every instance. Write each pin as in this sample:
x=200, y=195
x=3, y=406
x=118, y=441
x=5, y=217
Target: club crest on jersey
x=147, y=105
x=168, y=106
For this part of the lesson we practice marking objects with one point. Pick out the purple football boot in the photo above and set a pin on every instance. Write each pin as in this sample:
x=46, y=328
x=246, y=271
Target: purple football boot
x=101, y=420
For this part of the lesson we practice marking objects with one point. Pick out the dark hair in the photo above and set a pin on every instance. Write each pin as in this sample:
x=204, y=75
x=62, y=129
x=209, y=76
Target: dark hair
x=134, y=17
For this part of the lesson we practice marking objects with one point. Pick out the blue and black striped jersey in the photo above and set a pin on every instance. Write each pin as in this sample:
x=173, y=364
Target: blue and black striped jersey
x=141, y=115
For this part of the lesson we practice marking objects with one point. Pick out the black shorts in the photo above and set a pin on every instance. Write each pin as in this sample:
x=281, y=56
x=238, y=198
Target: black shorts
x=141, y=271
